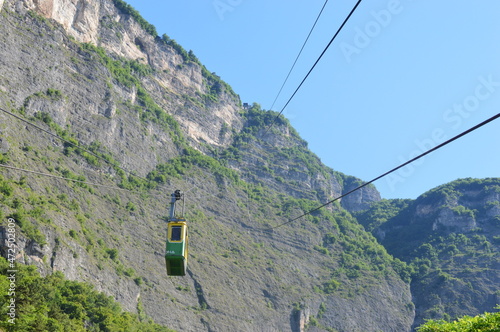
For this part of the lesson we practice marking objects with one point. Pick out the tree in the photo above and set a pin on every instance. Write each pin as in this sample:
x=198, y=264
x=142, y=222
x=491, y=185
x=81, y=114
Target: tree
x=487, y=322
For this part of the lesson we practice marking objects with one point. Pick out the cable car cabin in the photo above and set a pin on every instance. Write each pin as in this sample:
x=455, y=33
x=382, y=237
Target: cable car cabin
x=177, y=248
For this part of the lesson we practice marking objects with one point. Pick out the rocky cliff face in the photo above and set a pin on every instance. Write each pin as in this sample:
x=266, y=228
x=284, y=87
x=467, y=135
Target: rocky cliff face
x=100, y=23
x=450, y=235
x=177, y=86
x=137, y=101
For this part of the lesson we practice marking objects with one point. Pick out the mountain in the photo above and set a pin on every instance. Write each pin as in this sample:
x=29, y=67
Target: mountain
x=102, y=119
x=450, y=237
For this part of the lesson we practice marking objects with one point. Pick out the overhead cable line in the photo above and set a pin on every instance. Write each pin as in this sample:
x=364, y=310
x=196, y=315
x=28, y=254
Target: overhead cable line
x=62, y=177
x=314, y=65
x=71, y=143
x=394, y=169
x=298, y=55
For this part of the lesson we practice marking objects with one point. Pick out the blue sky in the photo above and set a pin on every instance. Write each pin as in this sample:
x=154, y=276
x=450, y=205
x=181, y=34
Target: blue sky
x=401, y=77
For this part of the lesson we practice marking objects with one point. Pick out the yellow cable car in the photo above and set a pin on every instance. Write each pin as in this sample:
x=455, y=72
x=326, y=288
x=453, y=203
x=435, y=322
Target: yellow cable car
x=176, y=255
x=176, y=252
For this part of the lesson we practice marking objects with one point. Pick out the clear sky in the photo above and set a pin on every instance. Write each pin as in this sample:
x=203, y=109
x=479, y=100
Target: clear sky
x=401, y=77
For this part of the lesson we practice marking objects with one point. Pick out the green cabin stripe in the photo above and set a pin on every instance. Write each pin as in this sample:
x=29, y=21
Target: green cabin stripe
x=176, y=266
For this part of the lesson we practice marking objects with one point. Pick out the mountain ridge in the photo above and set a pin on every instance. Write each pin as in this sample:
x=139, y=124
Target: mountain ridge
x=449, y=236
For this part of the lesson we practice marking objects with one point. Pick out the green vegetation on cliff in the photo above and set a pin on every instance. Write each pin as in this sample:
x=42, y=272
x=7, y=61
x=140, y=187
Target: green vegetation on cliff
x=487, y=322
x=448, y=237
x=53, y=303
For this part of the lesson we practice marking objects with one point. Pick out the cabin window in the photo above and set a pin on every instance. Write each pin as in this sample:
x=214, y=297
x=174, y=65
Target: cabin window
x=176, y=233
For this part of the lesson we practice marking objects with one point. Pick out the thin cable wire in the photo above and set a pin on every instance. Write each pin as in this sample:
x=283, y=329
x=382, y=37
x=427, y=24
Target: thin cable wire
x=71, y=143
x=394, y=169
x=298, y=55
x=314, y=65
x=63, y=178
